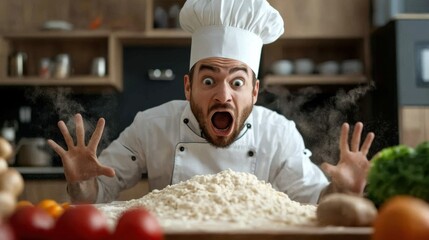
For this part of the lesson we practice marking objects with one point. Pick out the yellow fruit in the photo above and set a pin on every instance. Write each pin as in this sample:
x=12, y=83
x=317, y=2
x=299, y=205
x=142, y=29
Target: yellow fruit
x=402, y=218
x=55, y=210
x=52, y=207
x=47, y=203
x=23, y=203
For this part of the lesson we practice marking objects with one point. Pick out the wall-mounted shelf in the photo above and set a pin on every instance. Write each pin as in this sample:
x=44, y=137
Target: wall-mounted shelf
x=71, y=81
x=297, y=80
x=321, y=31
x=309, y=33
x=82, y=47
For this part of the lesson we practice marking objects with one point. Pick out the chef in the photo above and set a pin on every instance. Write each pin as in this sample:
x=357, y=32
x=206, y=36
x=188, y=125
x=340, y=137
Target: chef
x=218, y=127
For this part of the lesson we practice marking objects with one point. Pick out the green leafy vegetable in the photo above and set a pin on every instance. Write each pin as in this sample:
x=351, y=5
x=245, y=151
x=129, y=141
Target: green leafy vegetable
x=399, y=170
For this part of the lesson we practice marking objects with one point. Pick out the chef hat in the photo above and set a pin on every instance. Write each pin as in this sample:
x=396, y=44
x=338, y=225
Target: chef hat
x=234, y=29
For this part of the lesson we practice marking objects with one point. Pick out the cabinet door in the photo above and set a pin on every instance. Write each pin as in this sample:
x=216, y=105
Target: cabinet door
x=413, y=125
x=37, y=190
x=324, y=18
x=136, y=192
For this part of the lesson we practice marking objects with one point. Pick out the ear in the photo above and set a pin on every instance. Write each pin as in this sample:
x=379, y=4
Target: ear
x=255, y=92
x=187, y=85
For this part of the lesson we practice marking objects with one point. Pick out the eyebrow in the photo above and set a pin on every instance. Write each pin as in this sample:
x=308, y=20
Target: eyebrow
x=216, y=69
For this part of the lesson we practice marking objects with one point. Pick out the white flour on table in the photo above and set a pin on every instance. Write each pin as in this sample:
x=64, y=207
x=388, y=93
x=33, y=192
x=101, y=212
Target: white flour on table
x=238, y=199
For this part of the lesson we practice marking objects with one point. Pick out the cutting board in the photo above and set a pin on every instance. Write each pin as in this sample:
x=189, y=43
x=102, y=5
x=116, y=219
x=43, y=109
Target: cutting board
x=287, y=233
x=187, y=230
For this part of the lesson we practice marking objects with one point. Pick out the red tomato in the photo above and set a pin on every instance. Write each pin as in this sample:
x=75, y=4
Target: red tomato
x=83, y=222
x=6, y=232
x=31, y=223
x=137, y=224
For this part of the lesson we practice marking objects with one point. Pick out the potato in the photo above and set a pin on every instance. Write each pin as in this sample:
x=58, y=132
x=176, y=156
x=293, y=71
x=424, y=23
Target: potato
x=3, y=165
x=6, y=149
x=12, y=181
x=7, y=204
x=345, y=210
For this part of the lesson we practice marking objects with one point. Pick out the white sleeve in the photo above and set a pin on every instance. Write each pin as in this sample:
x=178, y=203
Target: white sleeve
x=125, y=156
x=298, y=176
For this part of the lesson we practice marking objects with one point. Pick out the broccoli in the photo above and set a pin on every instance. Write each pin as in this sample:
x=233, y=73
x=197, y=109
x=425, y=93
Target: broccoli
x=399, y=170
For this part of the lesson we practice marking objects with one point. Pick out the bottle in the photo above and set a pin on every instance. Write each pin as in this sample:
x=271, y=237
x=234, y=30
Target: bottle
x=45, y=68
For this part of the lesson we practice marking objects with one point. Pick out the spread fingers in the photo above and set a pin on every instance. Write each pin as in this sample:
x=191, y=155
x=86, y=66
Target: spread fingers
x=80, y=130
x=65, y=132
x=367, y=143
x=57, y=148
x=96, y=136
x=357, y=132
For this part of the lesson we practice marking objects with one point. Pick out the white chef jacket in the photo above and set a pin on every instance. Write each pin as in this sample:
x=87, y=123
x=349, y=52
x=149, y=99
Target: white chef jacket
x=166, y=143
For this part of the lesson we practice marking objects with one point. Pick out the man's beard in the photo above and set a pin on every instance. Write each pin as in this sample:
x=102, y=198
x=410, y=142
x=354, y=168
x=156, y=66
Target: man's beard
x=220, y=141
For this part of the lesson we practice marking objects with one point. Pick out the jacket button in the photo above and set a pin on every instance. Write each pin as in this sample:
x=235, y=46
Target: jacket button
x=133, y=158
x=250, y=153
x=182, y=148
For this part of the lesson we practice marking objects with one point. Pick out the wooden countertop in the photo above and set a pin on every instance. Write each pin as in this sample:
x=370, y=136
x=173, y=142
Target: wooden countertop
x=289, y=233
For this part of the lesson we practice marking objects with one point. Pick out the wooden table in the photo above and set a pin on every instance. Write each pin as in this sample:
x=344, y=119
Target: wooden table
x=289, y=233
x=214, y=230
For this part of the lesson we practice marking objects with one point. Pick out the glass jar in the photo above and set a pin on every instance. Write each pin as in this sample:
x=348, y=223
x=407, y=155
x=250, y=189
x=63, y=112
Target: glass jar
x=62, y=66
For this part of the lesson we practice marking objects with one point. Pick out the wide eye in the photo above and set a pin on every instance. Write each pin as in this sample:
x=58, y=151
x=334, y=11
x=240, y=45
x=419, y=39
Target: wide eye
x=208, y=81
x=237, y=83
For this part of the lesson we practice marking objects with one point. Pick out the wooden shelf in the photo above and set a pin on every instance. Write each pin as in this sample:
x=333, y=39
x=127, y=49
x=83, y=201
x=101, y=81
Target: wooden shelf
x=82, y=46
x=411, y=16
x=308, y=34
x=57, y=34
x=324, y=19
x=70, y=81
x=303, y=80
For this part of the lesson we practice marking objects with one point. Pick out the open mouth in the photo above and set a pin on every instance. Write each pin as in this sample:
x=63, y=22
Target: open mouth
x=222, y=122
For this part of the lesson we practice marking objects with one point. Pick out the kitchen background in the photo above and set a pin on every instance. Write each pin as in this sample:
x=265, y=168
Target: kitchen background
x=304, y=75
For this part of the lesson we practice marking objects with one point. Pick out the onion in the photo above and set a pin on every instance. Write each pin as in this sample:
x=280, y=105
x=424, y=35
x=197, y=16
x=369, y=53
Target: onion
x=7, y=204
x=3, y=165
x=5, y=149
x=11, y=181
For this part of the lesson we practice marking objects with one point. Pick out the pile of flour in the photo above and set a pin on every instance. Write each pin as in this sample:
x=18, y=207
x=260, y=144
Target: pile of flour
x=238, y=199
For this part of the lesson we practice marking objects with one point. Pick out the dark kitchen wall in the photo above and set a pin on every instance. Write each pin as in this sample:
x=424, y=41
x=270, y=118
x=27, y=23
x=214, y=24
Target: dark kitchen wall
x=140, y=92
x=49, y=105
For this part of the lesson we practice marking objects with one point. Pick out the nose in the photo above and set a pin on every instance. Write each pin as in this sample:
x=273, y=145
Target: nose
x=223, y=93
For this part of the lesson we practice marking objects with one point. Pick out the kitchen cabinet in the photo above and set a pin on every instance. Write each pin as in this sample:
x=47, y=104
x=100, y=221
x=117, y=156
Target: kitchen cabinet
x=49, y=183
x=322, y=31
x=81, y=46
x=162, y=16
x=401, y=100
x=319, y=30
x=36, y=190
x=413, y=125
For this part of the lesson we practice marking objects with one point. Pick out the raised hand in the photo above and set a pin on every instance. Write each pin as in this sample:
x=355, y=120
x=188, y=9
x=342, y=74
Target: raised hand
x=350, y=173
x=80, y=161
